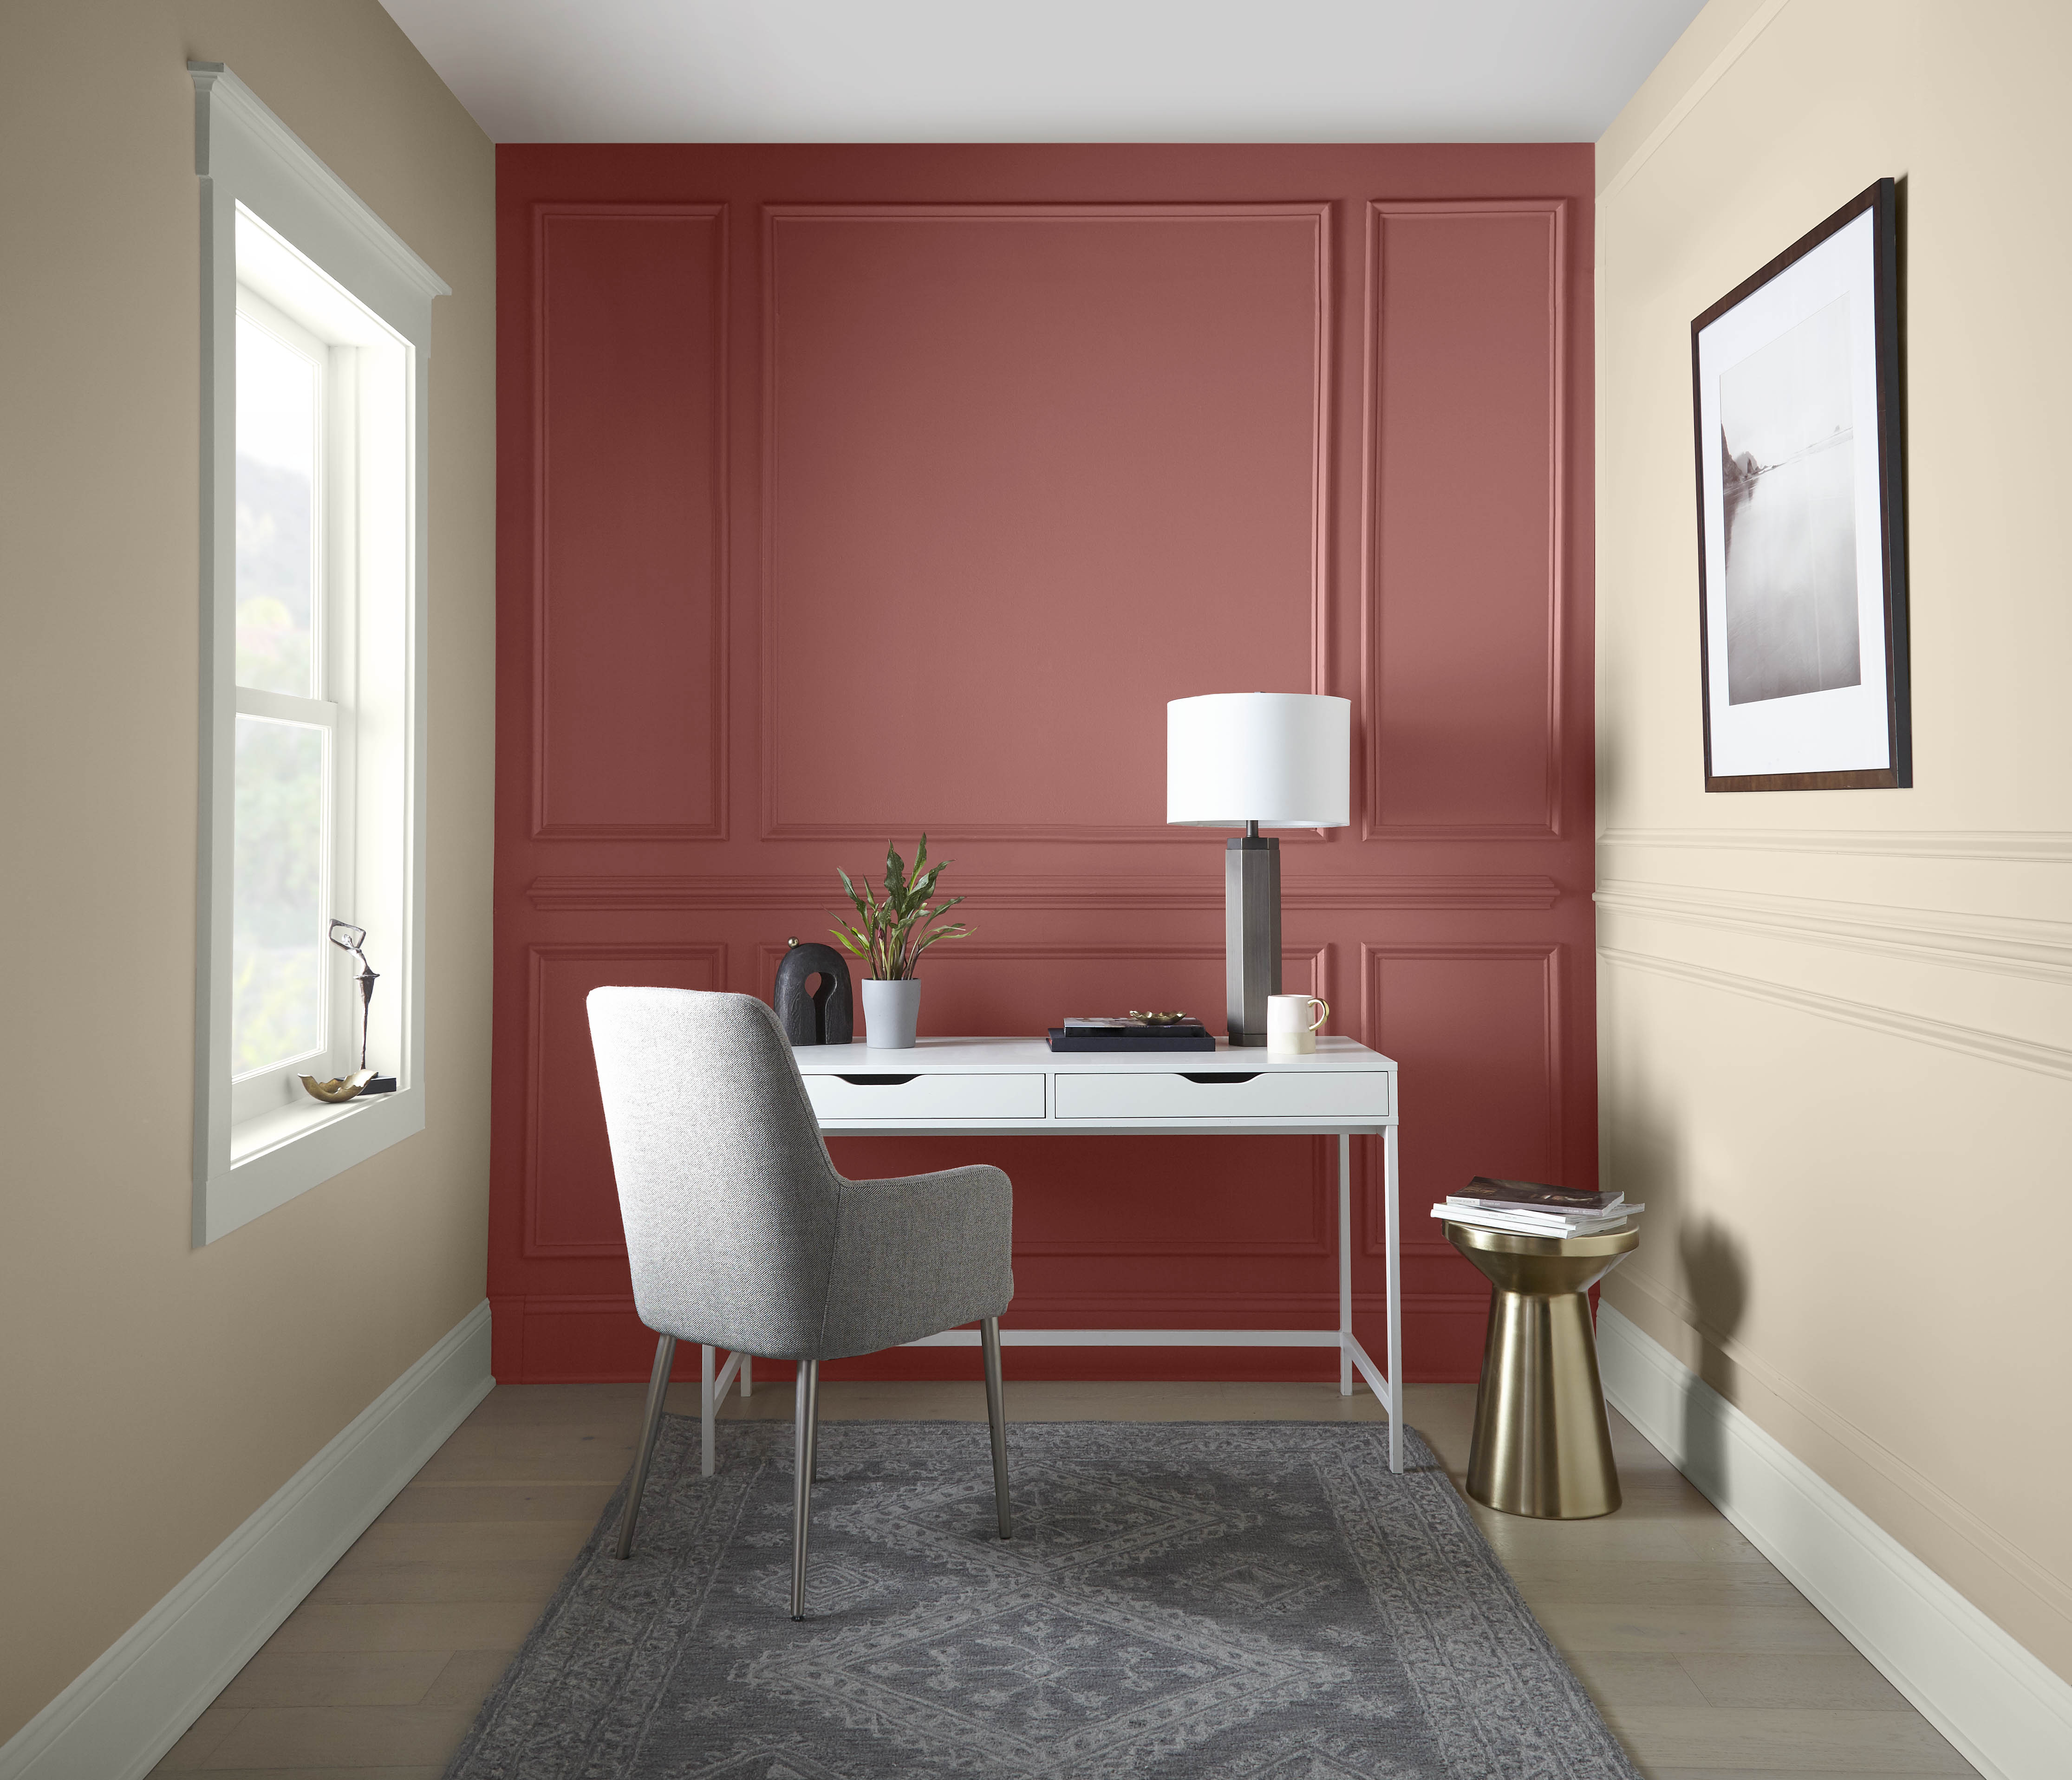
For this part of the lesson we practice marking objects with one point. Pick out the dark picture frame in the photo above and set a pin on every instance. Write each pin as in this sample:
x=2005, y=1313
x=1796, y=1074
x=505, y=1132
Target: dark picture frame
x=1802, y=554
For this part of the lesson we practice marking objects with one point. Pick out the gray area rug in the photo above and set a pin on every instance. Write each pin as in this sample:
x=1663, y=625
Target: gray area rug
x=1257, y=1601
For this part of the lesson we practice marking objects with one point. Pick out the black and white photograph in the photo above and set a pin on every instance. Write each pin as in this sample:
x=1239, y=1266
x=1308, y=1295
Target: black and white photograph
x=1800, y=565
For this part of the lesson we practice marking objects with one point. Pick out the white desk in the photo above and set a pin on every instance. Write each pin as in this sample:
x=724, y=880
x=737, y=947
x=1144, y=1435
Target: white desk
x=1021, y=1087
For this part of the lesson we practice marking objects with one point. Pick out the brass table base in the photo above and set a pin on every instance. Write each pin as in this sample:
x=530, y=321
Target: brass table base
x=1542, y=1445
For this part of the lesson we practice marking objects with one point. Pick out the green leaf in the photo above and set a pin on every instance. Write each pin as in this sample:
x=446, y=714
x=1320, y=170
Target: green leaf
x=893, y=928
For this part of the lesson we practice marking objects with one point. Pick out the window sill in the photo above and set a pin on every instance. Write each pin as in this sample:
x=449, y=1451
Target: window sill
x=281, y=1154
x=261, y=1136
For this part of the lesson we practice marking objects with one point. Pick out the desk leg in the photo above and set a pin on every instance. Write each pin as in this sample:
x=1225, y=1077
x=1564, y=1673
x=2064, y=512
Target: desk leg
x=1392, y=1218
x=708, y=1410
x=1344, y=1263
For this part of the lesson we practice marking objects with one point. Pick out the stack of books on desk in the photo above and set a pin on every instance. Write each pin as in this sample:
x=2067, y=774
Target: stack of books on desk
x=1129, y=1034
x=1526, y=1208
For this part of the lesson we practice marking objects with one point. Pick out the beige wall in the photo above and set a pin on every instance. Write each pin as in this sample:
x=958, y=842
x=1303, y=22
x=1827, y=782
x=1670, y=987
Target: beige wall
x=152, y=1395
x=1836, y=1028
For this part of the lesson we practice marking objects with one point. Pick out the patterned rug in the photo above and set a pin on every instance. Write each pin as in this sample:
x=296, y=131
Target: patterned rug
x=1234, y=1600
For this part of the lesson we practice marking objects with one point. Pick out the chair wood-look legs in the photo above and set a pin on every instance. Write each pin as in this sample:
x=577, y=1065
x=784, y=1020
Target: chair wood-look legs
x=658, y=1393
x=805, y=1452
x=996, y=1412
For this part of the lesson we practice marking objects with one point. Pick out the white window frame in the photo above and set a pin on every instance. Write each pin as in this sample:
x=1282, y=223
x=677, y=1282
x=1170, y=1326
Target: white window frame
x=270, y=211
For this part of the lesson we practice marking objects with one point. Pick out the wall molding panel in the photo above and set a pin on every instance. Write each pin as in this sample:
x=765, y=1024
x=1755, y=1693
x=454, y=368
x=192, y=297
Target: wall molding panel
x=1471, y=1066
x=784, y=225
x=2009, y=946
x=609, y=455
x=1972, y=1041
x=1544, y=314
x=2007, y=1713
x=848, y=492
x=574, y=1088
x=117, y=1719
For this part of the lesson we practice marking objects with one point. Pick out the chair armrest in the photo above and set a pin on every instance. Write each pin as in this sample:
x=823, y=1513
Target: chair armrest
x=918, y=1254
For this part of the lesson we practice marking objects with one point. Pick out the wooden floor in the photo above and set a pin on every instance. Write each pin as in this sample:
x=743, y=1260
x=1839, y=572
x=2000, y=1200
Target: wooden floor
x=1706, y=1662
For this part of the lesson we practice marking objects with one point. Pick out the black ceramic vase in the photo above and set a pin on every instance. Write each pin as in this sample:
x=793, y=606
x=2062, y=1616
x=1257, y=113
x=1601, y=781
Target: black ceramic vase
x=822, y=1016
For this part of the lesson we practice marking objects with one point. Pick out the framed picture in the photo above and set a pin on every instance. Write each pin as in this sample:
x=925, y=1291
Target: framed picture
x=1802, y=568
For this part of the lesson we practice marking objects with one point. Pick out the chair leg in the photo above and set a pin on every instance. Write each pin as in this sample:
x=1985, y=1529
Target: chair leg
x=996, y=1412
x=807, y=1441
x=658, y=1393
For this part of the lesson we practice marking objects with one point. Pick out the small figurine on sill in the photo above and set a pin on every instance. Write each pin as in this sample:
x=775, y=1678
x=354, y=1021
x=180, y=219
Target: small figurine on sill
x=348, y=938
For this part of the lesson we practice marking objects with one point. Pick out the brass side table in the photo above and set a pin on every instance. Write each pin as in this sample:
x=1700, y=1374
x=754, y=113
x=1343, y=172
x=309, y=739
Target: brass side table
x=1542, y=1445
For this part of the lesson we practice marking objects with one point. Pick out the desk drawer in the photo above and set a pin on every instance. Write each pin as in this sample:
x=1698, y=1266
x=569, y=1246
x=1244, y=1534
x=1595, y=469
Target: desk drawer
x=1225, y=1093
x=892, y=1093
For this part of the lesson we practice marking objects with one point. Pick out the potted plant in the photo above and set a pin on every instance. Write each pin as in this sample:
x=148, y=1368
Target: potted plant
x=890, y=933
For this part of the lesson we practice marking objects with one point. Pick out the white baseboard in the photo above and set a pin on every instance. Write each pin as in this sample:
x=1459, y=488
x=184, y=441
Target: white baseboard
x=117, y=1719
x=2008, y=1715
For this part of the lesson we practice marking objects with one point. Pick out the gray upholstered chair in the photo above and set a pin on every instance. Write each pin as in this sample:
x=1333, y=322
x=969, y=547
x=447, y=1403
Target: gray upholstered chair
x=742, y=1235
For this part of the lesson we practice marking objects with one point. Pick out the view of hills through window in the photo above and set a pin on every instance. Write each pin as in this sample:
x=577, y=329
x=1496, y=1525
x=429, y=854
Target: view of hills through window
x=278, y=945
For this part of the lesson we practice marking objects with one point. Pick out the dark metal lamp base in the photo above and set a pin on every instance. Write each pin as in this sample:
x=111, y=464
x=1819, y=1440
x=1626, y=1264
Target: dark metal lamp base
x=1251, y=934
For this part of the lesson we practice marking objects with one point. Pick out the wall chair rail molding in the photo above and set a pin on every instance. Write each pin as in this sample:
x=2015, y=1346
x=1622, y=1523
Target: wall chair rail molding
x=1306, y=962
x=1061, y=891
x=1466, y=743
x=2008, y=1714
x=2005, y=944
x=1973, y=1041
x=2014, y=847
x=117, y=1719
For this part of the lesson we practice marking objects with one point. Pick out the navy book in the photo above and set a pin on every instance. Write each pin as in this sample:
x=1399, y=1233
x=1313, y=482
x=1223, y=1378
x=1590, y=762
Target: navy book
x=1136, y=1041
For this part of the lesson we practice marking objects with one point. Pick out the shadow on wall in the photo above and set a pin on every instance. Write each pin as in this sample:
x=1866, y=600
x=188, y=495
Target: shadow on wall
x=1644, y=1157
x=1715, y=1281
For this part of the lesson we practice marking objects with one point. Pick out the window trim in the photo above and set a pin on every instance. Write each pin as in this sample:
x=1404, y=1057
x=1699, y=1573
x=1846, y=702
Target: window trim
x=245, y=156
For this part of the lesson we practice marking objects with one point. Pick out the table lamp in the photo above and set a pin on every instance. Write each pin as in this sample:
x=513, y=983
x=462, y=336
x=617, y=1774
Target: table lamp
x=1253, y=760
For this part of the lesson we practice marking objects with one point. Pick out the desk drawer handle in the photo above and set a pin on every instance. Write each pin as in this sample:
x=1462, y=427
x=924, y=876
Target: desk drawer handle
x=1221, y=1076
x=877, y=1081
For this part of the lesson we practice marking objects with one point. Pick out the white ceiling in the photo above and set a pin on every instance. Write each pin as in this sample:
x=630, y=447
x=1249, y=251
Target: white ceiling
x=763, y=71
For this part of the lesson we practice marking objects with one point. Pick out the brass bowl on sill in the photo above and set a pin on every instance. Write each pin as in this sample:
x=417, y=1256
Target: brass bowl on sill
x=339, y=1087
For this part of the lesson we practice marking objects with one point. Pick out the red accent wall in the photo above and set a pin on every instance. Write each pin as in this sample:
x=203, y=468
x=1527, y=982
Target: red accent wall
x=845, y=492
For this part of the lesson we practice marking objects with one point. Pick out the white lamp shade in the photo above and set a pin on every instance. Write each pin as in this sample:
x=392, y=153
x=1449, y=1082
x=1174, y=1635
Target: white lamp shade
x=1283, y=760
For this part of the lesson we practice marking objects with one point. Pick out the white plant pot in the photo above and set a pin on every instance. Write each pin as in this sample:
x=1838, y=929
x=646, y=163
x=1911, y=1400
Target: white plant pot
x=891, y=1012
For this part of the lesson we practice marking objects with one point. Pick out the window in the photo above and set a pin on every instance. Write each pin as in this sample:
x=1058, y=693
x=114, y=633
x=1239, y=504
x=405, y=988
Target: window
x=315, y=330
x=292, y=843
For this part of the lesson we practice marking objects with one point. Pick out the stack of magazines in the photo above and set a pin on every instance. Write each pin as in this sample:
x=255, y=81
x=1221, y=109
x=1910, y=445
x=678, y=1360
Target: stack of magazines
x=1526, y=1208
x=1129, y=1035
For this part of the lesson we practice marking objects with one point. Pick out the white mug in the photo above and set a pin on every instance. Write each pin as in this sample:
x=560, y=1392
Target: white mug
x=1289, y=1030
